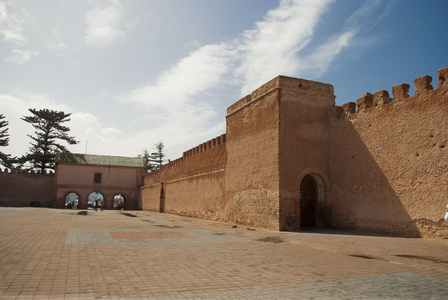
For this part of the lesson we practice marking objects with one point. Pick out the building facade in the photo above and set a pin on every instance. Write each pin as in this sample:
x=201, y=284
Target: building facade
x=109, y=179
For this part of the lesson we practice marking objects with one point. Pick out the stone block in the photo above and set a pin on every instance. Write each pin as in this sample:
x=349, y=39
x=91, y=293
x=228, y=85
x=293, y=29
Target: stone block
x=423, y=83
x=365, y=101
x=380, y=98
x=349, y=107
x=400, y=92
x=443, y=76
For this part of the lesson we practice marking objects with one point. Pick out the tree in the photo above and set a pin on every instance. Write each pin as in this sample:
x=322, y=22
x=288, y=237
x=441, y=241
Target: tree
x=49, y=130
x=145, y=154
x=156, y=158
x=5, y=159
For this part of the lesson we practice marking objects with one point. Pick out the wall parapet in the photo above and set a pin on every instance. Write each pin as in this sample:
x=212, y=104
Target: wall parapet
x=400, y=93
x=195, y=153
x=283, y=82
x=26, y=172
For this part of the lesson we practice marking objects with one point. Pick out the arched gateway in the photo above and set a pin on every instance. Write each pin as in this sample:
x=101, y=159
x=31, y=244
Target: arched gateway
x=312, y=202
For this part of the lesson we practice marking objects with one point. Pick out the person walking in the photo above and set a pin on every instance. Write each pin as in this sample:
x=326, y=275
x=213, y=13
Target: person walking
x=95, y=205
x=102, y=205
x=446, y=216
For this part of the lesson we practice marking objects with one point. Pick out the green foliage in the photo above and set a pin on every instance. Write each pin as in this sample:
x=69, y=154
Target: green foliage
x=4, y=136
x=156, y=158
x=5, y=159
x=49, y=131
x=145, y=155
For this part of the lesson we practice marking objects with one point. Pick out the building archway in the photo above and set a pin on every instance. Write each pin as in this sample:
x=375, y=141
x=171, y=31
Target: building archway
x=119, y=201
x=312, y=202
x=72, y=200
x=95, y=196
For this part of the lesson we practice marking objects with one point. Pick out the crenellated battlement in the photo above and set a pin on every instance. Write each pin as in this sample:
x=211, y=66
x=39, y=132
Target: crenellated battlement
x=204, y=146
x=197, y=152
x=26, y=172
x=400, y=93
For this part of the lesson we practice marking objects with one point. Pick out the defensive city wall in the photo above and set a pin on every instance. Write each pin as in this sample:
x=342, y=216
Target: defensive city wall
x=26, y=188
x=292, y=159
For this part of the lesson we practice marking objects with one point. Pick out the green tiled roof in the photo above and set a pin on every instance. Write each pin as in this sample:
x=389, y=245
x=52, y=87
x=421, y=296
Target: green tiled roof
x=88, y=159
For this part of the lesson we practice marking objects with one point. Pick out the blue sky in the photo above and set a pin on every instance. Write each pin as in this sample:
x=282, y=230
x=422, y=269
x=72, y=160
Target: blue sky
x=135, y=72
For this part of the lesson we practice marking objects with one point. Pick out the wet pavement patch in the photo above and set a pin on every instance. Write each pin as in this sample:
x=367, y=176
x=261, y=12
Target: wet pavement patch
x=362, y=256
x=129, y=215
x=169, y=226
x=270, y=239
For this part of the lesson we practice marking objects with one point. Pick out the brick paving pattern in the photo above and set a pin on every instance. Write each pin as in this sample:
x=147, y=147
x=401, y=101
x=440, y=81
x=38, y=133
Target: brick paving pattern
x=58, y=254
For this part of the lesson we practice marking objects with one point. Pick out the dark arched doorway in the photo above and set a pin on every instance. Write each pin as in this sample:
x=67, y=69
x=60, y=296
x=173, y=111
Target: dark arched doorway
x=312, y=202
x=308, y=202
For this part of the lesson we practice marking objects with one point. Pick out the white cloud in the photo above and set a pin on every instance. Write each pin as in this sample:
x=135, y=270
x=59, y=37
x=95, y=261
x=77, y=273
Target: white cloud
x=57, y=43
x=14, y=107
x=174, y=89
x=83, y=126
x=173, y=105
x=271, y=48
x=320, y=60
x=89, y=131
x=20, y=56
x=104, y=24
x=10, y=24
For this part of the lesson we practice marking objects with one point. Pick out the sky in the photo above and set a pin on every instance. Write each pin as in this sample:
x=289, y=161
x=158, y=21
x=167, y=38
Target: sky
x=136, y=72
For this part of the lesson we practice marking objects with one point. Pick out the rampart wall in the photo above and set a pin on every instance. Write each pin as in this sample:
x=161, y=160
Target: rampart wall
x=192, y=185
x=252, y=171
x=379, y=165
x=25, y=188
x=389, y=160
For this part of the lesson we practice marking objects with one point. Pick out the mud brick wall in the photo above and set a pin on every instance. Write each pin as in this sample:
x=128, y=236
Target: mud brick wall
x=24, y=189
x=389, y=161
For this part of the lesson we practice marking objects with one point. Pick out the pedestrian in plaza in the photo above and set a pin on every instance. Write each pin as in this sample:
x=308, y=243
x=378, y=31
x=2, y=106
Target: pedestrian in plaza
x=102, y=206
x=446, y=216
x=95, y=205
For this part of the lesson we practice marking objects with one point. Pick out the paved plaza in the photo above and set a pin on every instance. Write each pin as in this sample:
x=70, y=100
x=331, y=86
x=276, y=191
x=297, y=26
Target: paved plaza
x=60, y=254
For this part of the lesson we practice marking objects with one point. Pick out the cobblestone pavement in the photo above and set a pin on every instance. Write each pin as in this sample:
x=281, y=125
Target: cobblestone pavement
x=58, y=254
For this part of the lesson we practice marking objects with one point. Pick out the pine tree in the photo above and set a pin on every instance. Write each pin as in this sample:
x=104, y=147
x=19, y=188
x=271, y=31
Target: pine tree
x=5, y=159
x=156, y=158
x=145, y=155
x=49, y=131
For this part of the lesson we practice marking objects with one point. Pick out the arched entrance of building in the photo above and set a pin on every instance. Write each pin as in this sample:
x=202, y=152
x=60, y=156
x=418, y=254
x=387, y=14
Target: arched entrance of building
x=95, y=197
x=72, y=200
x=312, y=202
x=119, y=201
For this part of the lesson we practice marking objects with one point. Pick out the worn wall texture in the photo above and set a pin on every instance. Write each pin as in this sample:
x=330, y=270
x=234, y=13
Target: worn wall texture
x=23, y=188
x=378, y=165
x=389, y=161
x=192, y=185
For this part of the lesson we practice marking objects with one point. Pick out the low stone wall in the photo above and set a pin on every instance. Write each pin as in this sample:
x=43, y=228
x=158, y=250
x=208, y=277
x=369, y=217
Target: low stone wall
x=24, y=189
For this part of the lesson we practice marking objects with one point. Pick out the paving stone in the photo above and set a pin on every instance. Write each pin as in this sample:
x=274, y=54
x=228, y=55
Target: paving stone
x=56, y=254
